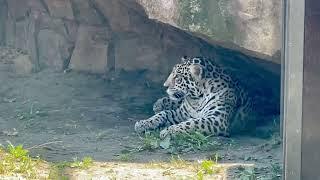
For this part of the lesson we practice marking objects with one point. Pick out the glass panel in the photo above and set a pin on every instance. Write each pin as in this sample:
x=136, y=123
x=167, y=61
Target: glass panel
x=140, y=89
x=310, y=135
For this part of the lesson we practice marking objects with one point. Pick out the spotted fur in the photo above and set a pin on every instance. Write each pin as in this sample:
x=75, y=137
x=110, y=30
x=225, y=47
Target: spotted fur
x=202, y=97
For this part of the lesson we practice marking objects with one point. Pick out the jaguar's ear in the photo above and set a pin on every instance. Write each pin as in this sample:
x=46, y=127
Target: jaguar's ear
x=184, y=59
x=196, y=71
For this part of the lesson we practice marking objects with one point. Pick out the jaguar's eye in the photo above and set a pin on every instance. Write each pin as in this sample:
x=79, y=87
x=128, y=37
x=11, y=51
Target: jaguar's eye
x=178, y=80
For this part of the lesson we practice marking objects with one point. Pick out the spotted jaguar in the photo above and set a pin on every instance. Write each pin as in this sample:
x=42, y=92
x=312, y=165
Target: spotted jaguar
x=202, y=97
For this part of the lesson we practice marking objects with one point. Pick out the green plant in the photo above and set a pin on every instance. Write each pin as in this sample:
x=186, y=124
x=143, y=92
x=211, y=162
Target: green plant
x=57, y=171
x=207, y=167
x=192, y=142
x=150, y=141
x=126, y=155
x=16, y=159
x=85, y=163
x=215, y=157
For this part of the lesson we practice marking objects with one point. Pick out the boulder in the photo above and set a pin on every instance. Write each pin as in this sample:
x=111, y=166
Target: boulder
x=22, y=65
x=71, y=30
x=55, y=24
x=17, y=9
x=9, y=31
x=60, y=8
x=129, y=56
x=3, y=16
x=85, y=13
x=54, y=50
x=122, y=16
x=259, y=23
x=252, y=24
x=162, y=10
x=91, y=50
x=134, y=53
x=24, y=37
x=15, y=60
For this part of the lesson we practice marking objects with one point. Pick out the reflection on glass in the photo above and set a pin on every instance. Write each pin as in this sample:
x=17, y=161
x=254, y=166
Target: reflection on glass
x=139, y=89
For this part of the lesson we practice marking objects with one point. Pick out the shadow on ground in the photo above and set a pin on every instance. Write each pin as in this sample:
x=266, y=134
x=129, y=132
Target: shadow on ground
x=81, y=115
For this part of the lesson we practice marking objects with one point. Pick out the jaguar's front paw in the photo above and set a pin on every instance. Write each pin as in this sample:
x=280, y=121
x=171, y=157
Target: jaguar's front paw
x=165, y=132
x=158, y=106
x=140, y=126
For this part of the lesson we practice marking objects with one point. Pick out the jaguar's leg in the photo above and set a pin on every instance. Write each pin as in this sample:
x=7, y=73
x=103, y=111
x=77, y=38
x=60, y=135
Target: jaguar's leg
x=217, y=126
x=166, y=103
x=244, y=119
x=164, y=118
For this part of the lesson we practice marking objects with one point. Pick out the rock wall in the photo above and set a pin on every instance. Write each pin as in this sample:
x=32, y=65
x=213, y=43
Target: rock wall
x=103, y=36
x=163, y=10
x=94, y=36
x=252, y=24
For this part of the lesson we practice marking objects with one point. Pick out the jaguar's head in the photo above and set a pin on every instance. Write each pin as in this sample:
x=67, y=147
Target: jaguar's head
x=184, y=80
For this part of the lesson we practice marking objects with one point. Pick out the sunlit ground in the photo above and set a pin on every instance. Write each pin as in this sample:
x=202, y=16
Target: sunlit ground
x=17, y=164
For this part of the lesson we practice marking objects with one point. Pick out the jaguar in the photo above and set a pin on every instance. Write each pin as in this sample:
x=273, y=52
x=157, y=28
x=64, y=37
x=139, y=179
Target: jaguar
x=202, y=97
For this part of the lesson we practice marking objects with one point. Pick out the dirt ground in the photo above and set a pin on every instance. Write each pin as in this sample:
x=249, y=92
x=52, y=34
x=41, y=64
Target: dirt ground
x=81, y=115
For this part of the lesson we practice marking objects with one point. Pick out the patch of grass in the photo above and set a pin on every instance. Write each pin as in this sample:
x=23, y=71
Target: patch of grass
x=178, y=162
x=16, y=160
x=126, y=156
x=150, y=141
x=57, y=169
x=207, y=167
x=181, y=143
x=275, y=139
x=193, y=142
x=85, y=163
x=201, y=170
x=247, y=173
x=215, y=157
x=276, y=172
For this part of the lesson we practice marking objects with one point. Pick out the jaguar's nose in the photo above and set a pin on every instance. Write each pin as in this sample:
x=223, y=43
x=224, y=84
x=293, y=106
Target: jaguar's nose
x=166, y=84
x=168, y=81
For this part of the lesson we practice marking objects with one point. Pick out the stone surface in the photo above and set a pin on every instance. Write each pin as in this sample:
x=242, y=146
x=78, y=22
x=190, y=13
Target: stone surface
x=252, y=24
x=23, y=65
x=3, y=16
x=85, y=13
x=260, y=24
x=135, y=44
x=129, y=56
x=163, y=10
x=71, y=29
x=91, y=50
x=55, y=24
x=123, y=16
x=15, y=60
x=17, y=8
x=53, y=50
x=24, y=37
x=60, y=8
x=9, y=31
